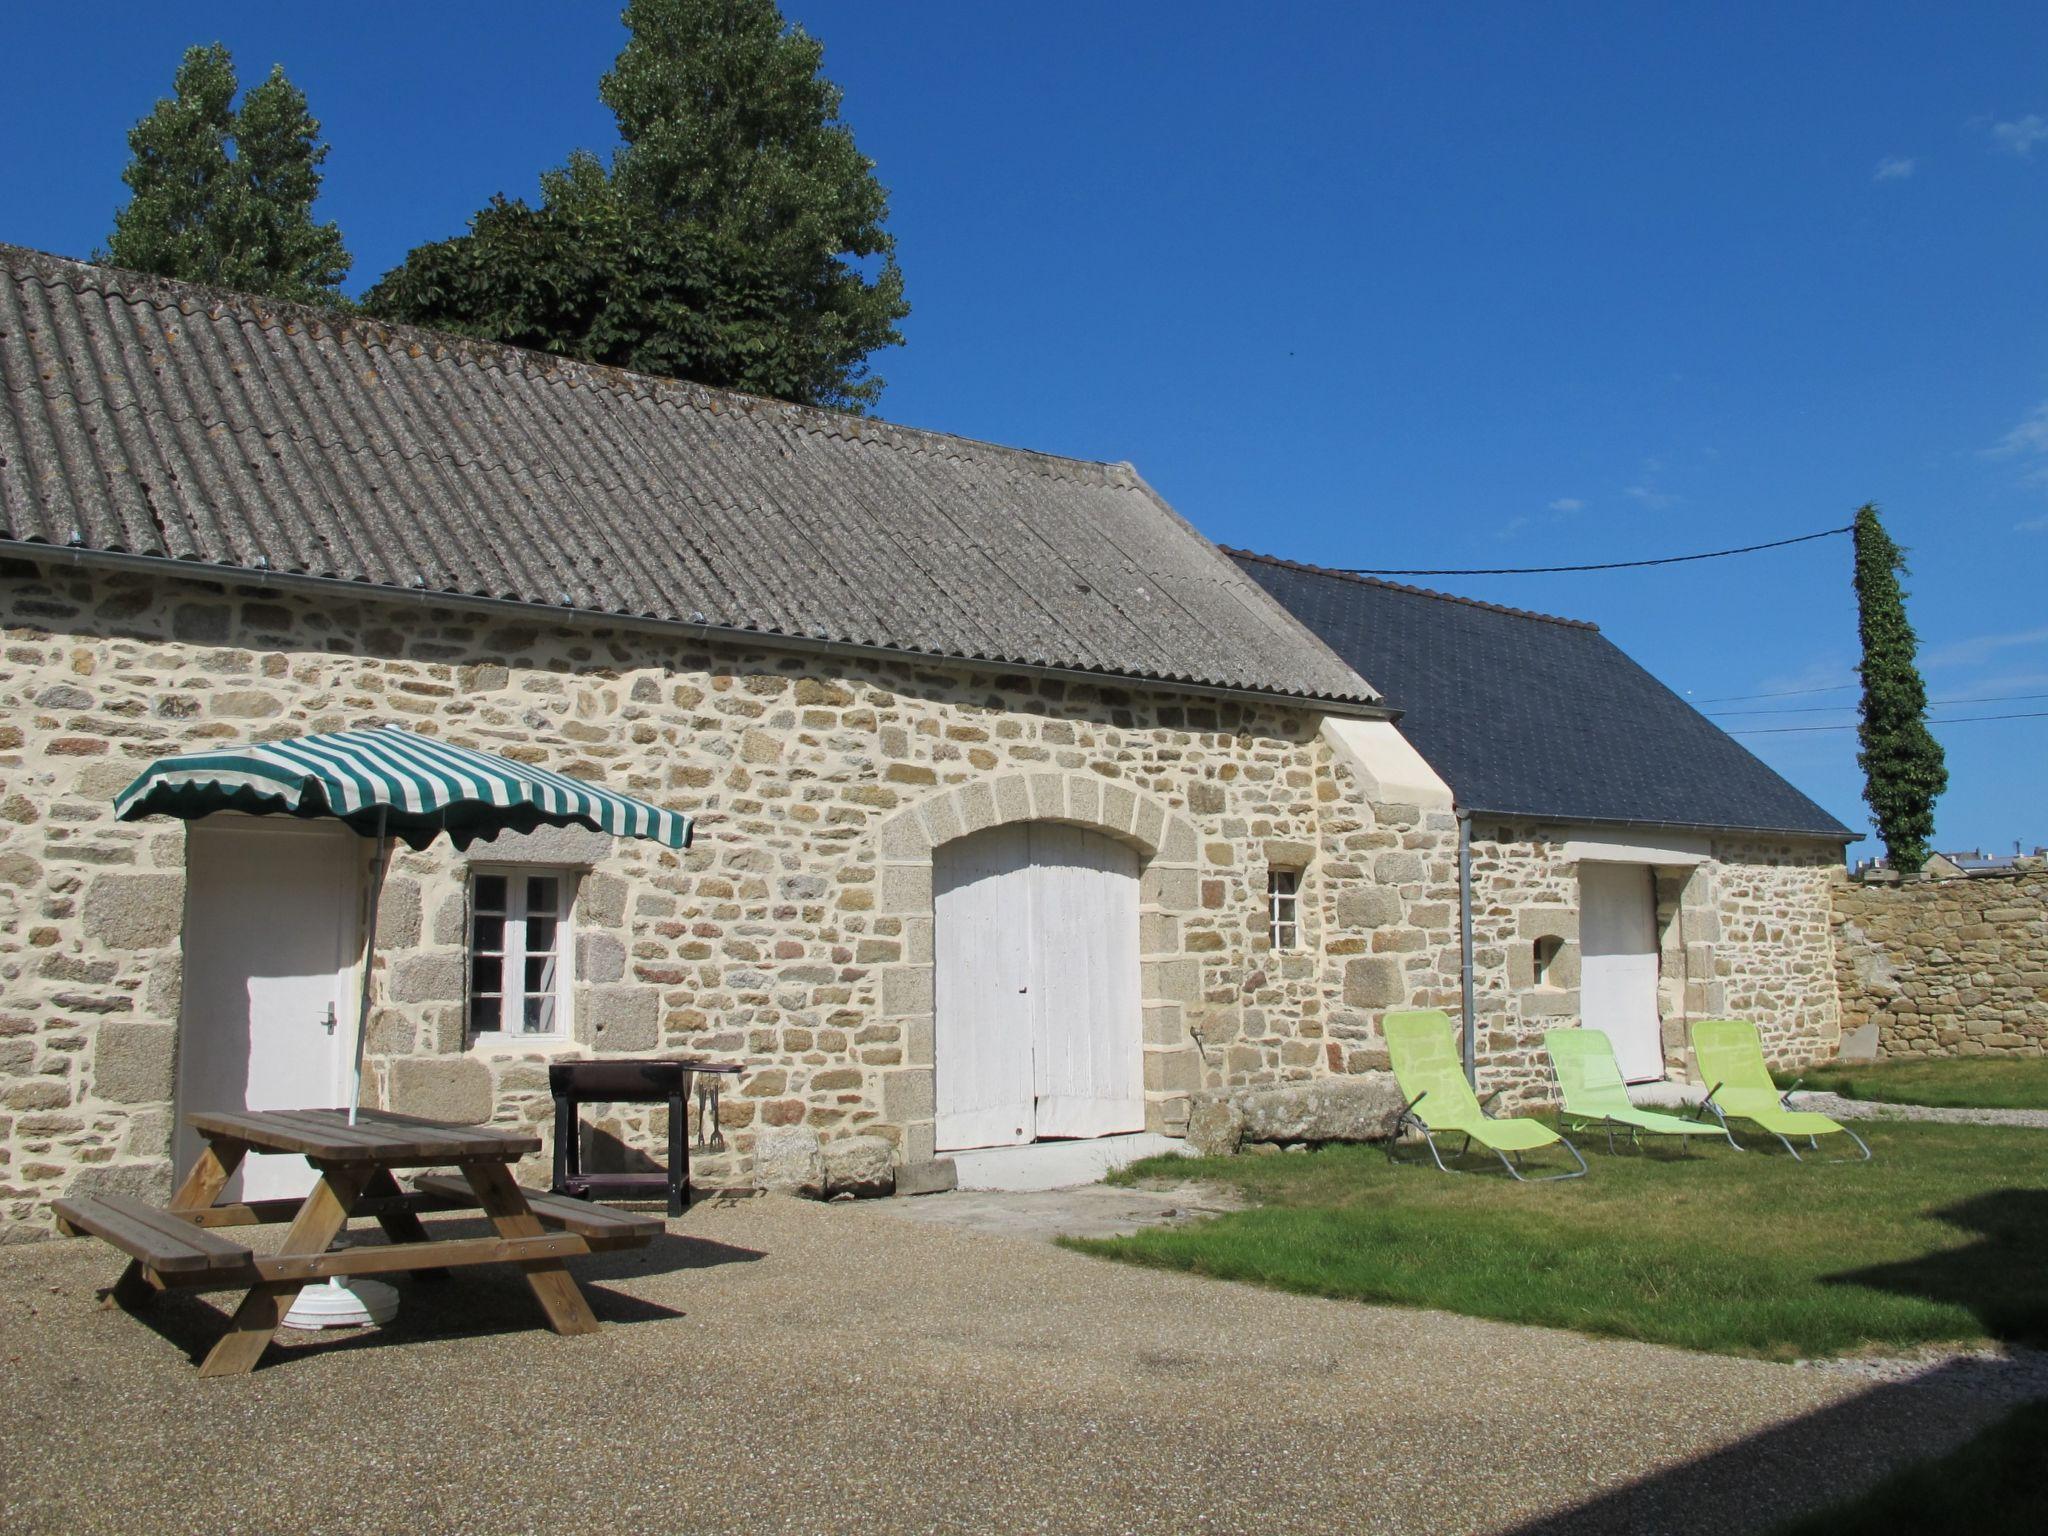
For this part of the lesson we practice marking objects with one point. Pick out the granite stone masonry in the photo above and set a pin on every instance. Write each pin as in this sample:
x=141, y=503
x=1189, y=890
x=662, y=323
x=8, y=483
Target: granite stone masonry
x=1946, y=967
x=1743, y=932
x=796, y=935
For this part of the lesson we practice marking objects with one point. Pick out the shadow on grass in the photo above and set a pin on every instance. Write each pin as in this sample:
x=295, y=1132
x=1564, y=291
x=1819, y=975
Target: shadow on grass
x=2001, y=1278
x=471, y=1302
x=1851, y=1468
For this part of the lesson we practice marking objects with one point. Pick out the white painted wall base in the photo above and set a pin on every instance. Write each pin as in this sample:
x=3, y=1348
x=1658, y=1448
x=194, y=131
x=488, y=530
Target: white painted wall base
x=1059, y=1164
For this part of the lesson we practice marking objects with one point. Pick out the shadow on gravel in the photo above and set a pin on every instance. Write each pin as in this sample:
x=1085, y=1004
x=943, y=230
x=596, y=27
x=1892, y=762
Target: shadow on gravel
x=1812, y=1465
x=474, y=1302
x=2002, y=1278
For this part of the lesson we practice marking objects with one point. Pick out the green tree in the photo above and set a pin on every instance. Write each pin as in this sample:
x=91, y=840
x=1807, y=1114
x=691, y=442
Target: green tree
x=225, y=196
x=1904, y=772
x=736, y=237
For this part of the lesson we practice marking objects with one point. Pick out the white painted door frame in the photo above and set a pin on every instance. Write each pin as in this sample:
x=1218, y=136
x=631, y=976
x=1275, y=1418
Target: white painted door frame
x=272, y=952
x=1037, y=1028
x=1618, y=964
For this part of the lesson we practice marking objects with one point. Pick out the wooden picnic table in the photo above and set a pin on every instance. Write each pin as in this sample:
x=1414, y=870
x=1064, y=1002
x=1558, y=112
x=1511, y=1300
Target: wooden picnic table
x=179, y=1245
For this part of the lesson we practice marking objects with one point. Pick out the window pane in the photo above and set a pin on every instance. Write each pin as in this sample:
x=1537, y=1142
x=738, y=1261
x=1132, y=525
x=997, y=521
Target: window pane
x=540, y=895
x=540, y=935
x=486, y=975
x=540, y=1015
x=487, y=933
x=540, y=973
x=490, y=893
x=484, y=1017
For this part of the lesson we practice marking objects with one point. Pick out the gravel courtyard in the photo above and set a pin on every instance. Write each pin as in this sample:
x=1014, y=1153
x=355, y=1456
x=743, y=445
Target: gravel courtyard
x=781, y=1366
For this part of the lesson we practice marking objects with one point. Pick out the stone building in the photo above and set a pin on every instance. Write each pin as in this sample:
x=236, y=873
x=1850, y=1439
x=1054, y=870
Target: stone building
x=891, y=674
x=1632, y=866
x=1022, y=811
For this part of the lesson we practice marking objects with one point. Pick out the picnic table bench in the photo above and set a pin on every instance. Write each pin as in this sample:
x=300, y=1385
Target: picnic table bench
x=181, y=1246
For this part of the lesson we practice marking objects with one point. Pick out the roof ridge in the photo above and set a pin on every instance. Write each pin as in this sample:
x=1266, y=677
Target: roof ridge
x=386, y=335
x=1400, y=586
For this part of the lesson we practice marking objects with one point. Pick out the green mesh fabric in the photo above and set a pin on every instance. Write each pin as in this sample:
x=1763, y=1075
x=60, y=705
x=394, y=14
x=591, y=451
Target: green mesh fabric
x=1731, y=1054
x=1587, y=1074
x=1422, y=1045
x=1590, y=1081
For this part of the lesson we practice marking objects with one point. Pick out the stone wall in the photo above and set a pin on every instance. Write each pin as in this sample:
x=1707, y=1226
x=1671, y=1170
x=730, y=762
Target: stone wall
x=1946, y=967
x=1742, y=932
x=795, y=935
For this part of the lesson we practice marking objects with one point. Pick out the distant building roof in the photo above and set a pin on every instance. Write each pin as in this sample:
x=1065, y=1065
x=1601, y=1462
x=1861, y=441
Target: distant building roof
x=1525, y=714
x=212, y=429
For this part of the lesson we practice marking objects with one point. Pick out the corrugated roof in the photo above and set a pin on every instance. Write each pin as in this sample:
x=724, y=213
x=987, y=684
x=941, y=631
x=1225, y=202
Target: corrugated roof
x=1528, y=714
x=151, y=417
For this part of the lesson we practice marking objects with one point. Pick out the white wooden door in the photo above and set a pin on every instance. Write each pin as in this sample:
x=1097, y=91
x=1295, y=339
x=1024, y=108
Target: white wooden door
x=1037, y=1013
x=1088, y=1057
x=981, y=1002
x=1618, y=964
x=268, y=1013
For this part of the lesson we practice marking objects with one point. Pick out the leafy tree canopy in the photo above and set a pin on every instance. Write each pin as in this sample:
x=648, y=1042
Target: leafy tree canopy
x=1904, y=771
x=225, y=196
x=736, y=238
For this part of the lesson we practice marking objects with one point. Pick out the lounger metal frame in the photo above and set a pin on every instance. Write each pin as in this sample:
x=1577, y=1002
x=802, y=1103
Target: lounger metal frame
x=1408, y=1120
x=1636, y=1133
x=1708, y=1106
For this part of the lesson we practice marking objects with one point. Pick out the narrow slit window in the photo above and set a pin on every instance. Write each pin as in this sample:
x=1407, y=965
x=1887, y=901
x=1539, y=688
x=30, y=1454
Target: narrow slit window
x=1283, y=907
x=1547, y=950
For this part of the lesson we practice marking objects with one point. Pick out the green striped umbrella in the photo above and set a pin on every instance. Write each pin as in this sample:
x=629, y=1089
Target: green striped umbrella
x=389, y=784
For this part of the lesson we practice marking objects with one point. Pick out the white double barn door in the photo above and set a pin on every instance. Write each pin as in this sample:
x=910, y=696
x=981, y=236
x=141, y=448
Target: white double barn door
x=1037, y=1013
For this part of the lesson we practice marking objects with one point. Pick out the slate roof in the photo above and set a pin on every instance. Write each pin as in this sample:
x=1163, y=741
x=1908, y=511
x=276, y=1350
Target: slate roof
x=157, y=418
x=1525, y=714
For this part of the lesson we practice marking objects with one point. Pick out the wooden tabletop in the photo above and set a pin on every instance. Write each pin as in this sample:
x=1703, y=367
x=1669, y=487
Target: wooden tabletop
x=378, y=1136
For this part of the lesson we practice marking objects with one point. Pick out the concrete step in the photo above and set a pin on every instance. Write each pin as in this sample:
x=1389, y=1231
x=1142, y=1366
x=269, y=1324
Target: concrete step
x=1058, y=1164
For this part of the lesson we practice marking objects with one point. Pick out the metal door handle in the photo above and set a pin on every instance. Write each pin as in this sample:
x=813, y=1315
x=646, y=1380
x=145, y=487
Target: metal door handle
x=328, y=1022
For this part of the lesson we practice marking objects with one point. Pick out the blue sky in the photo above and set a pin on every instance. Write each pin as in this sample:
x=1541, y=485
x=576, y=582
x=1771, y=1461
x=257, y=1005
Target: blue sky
x=1367, y=286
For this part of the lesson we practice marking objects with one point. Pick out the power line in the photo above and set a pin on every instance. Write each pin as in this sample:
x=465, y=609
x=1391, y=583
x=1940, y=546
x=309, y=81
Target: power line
x=1782, y=693
x=1609, y=565
x=1781, y=730
x=1822, y=709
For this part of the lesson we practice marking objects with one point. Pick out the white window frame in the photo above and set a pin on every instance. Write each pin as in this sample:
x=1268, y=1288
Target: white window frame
x=514, y=944
x=1283, y=909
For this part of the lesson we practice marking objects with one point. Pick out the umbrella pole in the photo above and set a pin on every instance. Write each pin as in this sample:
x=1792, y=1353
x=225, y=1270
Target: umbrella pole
x=345, y=1303
x=355, y=1095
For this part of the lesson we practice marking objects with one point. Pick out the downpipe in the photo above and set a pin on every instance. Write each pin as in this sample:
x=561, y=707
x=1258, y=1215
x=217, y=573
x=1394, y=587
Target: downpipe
x=1468, y=1031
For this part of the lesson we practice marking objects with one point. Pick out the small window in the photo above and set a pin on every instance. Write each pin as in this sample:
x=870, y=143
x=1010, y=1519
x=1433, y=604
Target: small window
x=518, y=970
x=1547, y=949
x=1283, y=907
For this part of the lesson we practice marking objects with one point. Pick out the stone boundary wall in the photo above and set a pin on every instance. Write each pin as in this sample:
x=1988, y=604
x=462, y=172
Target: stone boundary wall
x=1946, y=967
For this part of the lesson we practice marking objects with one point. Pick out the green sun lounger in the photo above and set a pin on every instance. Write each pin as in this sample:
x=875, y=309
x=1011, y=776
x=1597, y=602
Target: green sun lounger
x=1731, y=1059
x=1595, y=1096
x=1440, y=1101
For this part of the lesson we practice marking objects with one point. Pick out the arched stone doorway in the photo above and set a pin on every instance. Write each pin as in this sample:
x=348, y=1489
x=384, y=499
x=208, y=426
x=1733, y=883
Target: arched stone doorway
x=1036, y=1015
x=1162, y=841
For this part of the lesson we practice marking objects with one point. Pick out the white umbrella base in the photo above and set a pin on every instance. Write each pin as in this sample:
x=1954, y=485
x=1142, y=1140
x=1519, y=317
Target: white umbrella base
x=343, y=1304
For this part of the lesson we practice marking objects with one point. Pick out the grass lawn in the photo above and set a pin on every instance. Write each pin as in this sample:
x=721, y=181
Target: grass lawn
x=1989, y=1487
x=1972, y=1082
x=1943, y=1237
